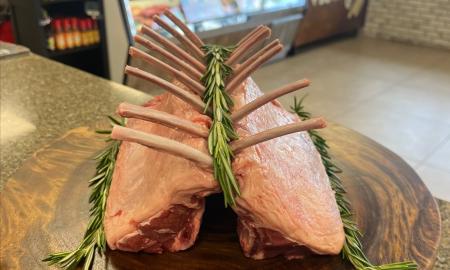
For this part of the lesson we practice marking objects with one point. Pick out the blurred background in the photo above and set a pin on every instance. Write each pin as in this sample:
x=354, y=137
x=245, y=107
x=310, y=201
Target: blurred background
x=379, y=67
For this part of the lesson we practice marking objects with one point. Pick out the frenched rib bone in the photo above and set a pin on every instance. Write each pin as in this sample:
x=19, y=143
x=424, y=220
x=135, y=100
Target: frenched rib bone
x=139, y=112
x=192, y=72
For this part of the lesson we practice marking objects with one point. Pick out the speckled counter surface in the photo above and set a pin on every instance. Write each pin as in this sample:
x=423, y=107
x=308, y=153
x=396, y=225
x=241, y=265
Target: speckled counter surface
x=42, y=99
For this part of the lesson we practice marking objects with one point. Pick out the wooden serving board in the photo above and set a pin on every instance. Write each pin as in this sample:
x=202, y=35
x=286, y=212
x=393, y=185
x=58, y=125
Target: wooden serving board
x=44, y=209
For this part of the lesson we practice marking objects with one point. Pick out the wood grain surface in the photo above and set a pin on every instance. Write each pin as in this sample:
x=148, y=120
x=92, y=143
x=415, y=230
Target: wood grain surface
x=44, y=209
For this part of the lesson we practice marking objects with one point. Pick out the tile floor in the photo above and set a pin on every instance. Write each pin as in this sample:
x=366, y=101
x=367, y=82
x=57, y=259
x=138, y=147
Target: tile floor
x=396, y=94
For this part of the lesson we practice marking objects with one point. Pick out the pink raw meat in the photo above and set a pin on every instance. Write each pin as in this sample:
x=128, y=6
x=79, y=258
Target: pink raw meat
x=156, y=200
x=286, y=207
x=286, y=200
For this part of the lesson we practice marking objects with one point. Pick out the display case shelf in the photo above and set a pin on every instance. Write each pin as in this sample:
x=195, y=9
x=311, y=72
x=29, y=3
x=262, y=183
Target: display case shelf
x=33, y=29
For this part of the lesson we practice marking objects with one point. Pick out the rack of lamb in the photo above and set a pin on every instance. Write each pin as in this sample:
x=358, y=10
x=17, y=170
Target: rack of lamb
x=170, y=158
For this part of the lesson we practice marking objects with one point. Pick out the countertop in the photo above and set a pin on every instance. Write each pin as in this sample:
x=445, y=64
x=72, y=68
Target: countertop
x=42, y=99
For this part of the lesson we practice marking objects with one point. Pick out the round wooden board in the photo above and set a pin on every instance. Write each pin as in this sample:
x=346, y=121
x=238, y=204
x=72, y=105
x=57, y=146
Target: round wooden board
x=44, y=209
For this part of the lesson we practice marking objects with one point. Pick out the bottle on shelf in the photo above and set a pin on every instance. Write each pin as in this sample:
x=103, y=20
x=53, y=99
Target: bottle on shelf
x=76, y=32
x=96, y=32
x=90, y=31
x=46, y=22
x=70, y=43
x=58, y=31
x=84, y=33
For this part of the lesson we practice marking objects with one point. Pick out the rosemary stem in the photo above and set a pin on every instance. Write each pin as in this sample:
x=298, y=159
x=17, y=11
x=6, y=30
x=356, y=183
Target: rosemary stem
x=352, y=250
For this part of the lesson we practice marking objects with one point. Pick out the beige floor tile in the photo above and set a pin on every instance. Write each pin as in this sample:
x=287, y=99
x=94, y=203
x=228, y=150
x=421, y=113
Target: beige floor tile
x=437, y=181
x=441, y=157
x=437, y=76
x=432, y=104
x=334, y=92
x=387, y=69
x=409, y=136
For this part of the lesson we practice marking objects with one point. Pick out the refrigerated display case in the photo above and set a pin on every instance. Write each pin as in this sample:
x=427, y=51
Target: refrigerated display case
x=56, y=28
x=215, y=21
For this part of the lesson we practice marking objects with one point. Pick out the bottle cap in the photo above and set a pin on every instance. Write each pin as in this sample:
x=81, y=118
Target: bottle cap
x=74, y=22
x=67, y=24
x=57, y=24
x=89, y=23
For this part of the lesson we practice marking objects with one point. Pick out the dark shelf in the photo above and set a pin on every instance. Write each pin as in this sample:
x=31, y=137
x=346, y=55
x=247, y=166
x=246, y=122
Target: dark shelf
x=44, y=3
x=27, y=15
x=52, y=54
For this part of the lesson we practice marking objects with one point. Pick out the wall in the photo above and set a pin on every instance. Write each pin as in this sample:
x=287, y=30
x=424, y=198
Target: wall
x=117, y=40
x=419, y=22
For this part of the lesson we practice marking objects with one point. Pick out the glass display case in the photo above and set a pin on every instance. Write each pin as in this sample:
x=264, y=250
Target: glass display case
x=204, y=15
x=215, y=21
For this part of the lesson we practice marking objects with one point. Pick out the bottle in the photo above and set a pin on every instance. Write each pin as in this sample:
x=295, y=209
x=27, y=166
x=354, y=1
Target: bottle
x=96, y=32
x=59, y=35
x=90, y=31
x=51, y=42
x=76, y=32
x=47, y=23
x=83, y=28
x=70, y=43
x=50, y=37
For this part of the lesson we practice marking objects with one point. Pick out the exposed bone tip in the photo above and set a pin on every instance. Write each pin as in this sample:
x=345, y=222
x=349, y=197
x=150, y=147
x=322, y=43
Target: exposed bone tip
x=145, y=28
x=128, y=69
x=115, y=133
x=122, y=108
x=279, y=47
x=321, y=122
x=132, y=51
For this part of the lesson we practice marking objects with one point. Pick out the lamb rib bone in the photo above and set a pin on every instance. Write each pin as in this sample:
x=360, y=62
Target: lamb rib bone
x=260, y=101
x=314, y=123
x=173, y=48
x=259, y=35
x=189, y=98
x=181, y=38
x=245, y=73
x=161, y=143
x=256, y=55
x=192, y=72
x=174, y=147
x=182, y=77
x=139, y=112
x=251, y=33
x=191, y=35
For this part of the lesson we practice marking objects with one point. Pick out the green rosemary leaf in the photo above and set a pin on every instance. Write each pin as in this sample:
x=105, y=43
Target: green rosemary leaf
x=222, y=131
x=100, y=131
x=352, y=250
x=115, y=121
x=94, y=237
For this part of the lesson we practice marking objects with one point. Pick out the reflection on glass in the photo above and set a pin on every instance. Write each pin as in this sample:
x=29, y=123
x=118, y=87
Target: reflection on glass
x=204, y=15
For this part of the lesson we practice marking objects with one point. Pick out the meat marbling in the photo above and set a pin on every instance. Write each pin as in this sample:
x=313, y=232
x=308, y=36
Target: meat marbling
x=156, y=200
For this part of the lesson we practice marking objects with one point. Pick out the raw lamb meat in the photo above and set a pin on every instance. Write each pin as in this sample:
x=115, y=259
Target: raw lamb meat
x=286, y=205
x=156, y=200
x=286, y=201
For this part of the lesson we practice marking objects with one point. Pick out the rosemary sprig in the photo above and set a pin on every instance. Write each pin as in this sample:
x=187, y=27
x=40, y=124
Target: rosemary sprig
x=353, y=250
x=94, y=237
x=222, y=131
